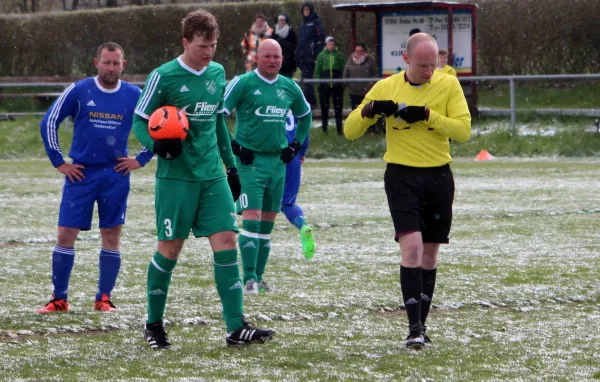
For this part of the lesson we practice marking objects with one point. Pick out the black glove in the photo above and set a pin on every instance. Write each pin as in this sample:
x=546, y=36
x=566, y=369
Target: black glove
x=168, y=148
x=384, y=108
x=412, y=114
x=290, y=152
x=233, y=179
x=246, y=155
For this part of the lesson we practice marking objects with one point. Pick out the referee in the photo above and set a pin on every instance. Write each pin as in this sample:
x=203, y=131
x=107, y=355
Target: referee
x=423, y=110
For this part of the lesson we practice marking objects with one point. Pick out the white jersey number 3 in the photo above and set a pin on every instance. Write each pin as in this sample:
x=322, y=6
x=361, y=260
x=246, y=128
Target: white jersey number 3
x=168, y=228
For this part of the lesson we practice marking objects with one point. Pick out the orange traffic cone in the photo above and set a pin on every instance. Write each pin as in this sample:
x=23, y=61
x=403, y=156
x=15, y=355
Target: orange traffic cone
x=483, y=155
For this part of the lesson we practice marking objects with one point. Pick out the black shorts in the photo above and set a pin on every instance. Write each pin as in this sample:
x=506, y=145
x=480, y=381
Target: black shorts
x=420, y=199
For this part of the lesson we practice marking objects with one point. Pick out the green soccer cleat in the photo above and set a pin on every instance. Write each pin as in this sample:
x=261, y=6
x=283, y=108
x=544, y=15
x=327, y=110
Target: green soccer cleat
x=308, y=241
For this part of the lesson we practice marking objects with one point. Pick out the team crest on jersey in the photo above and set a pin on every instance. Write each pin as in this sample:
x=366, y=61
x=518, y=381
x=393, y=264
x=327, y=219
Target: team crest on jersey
x=281, y=94
x=211, y=86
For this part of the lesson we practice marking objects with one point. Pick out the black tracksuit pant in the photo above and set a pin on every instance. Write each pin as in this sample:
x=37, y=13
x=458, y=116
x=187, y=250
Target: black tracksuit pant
x=336, y=92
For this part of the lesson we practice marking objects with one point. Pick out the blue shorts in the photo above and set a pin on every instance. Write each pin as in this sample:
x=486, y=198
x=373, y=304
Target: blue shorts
x=102, y=184
x=293, y=172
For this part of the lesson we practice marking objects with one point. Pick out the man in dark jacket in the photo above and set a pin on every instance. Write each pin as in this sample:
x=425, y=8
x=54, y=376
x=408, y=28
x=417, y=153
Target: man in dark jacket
x=311, y=39
x=286, y=37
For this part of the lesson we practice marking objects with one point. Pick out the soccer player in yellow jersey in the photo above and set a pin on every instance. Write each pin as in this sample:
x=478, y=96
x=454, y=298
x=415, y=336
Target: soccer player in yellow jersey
x=418, y=180
x=443, y=66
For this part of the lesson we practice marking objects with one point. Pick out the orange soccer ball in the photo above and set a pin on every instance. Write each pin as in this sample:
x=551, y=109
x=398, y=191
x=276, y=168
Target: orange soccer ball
x=168, y=122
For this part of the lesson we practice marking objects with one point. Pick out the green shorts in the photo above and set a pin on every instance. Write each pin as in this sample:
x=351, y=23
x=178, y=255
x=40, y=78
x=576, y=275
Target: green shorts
x=262, y=183
x=204, y=207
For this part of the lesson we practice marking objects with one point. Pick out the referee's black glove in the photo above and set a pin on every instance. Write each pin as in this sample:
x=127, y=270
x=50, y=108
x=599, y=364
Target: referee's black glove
x=290, y=152
x=246, y=155
x=169, y=148
x=412, y=114
x=233, y=179
x=384, y=108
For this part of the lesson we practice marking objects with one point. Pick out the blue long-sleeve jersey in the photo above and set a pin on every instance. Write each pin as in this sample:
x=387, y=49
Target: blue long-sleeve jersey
x=290, y=127
x=102, y=121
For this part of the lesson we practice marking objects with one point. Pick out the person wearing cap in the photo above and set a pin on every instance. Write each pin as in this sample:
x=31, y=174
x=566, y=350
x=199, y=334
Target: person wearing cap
x=330, y=65
x=287, y=39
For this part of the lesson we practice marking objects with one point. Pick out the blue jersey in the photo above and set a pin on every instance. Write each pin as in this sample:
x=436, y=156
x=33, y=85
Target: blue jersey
x=102, y=121
x=291, y=123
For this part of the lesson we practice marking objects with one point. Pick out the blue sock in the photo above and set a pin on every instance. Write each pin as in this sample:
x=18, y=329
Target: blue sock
x=294, y=214
x=62, y=264
x=110, y=263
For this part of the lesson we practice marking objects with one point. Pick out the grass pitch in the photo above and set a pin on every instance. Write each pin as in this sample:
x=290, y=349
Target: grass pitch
x=517, y=296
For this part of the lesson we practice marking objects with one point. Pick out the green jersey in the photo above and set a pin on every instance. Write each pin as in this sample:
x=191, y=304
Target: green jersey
x=262, y=107
x=199, y=94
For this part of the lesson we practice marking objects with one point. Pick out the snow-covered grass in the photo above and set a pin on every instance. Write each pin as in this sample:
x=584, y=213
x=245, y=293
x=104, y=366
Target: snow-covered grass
x=517, y=295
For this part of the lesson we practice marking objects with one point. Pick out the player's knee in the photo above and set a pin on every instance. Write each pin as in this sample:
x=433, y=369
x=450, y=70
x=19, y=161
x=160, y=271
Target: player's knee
x=411, y=249
x=111, y=237
x=251, y=215
x=228, y=240
x=66, y=237
x=170, y=248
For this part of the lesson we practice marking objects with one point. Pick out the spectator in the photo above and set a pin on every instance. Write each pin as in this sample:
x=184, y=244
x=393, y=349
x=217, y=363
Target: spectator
x=443, y=66
x=286, y=37
x=360, y=65
x=311, y=37
x=330, y=65
x=258, y=32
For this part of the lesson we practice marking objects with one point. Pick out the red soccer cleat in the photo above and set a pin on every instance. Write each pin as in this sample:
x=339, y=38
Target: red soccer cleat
x=105, y=305
x=55, y=305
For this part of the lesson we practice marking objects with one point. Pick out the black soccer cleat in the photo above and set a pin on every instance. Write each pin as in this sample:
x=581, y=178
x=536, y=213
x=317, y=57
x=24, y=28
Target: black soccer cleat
x=156, y=336
x=415, y=339
x=249, y=334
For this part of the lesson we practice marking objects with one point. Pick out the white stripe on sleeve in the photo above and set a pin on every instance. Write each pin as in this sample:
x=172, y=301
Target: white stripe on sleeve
x=230, y=87
x=51, y=123
x=152, y=83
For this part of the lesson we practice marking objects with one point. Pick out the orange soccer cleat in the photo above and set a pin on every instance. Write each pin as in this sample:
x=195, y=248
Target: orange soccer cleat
x=105, y=305
x=55, y=305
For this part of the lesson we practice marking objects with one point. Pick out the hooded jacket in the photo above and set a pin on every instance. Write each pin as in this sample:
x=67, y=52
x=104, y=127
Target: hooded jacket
x=311, y=37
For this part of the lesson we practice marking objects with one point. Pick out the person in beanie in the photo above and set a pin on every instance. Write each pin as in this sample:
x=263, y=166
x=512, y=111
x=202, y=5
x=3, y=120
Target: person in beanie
x=330, y=65
x=311, y=39
x=287, y=39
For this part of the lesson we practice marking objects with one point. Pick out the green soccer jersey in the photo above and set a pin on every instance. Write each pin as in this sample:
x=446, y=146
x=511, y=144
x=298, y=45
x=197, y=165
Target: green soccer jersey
x=261, y=110
x=199, y=94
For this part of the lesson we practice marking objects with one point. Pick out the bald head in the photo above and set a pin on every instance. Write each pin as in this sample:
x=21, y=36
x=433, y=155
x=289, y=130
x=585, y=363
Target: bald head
x=421, y=41
x=269, y=58
x=269, y=45
x=421, y=56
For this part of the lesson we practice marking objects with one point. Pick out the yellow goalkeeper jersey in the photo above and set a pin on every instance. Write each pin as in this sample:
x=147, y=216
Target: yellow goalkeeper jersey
x=424, y=143
x=447, y=69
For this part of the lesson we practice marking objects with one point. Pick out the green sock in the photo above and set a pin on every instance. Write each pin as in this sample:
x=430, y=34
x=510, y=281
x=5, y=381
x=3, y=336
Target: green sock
x=159, y=278
x=229, y=286
x=248, y=241
x=264, y=247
